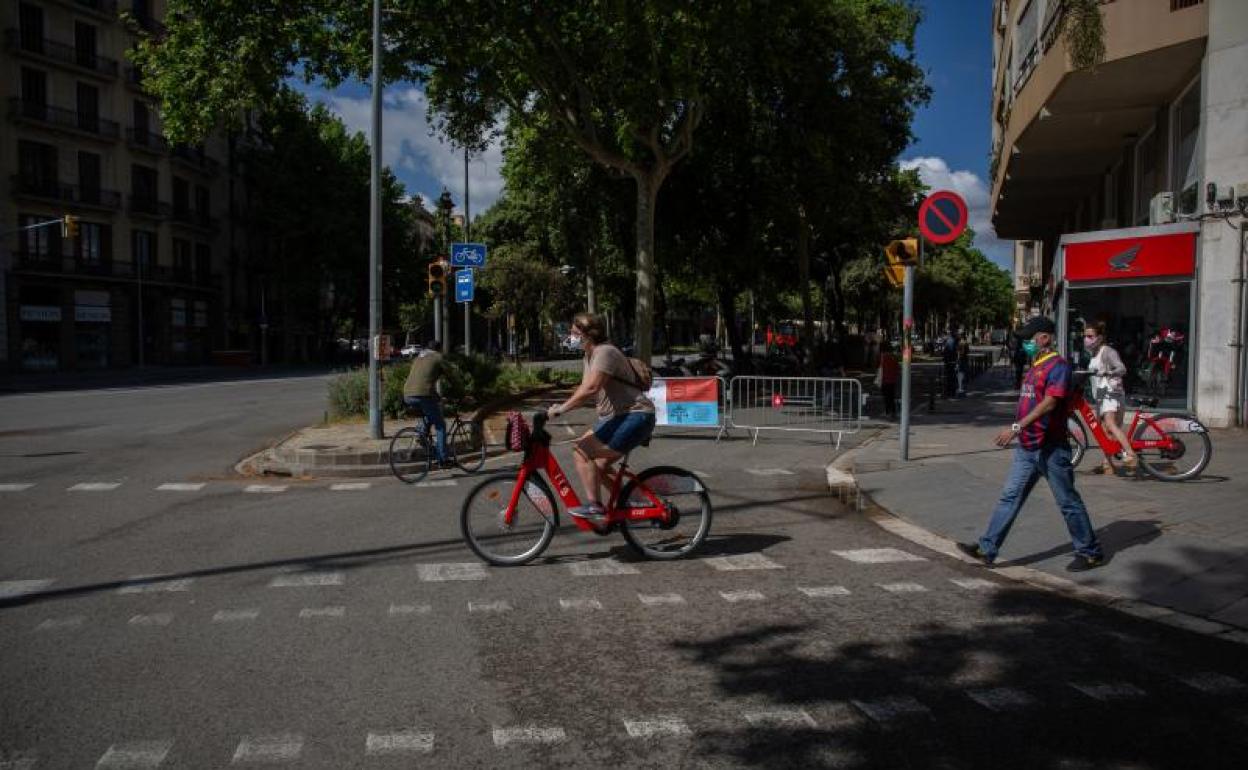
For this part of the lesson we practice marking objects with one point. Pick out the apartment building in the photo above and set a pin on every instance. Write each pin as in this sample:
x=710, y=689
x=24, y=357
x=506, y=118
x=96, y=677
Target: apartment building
x=153, y=274
x=1122, y=183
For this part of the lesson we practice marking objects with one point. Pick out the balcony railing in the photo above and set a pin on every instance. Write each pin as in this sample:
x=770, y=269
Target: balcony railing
x=69, y=265
x=146, y=140
x=196, y=219
x=148, y=23
x=61, y=118
x=196, y=158
x=99, y=6
x=149, y=206
x=67, y=193
x=60, y=52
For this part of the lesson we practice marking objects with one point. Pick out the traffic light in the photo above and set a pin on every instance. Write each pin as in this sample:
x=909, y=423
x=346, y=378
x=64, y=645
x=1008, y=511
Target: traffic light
x=69, y=226
x=436, y=279
x=898, y=255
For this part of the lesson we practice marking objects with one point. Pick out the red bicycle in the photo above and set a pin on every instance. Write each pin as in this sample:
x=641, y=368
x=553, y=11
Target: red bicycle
x=663, y=512
x=1170, y=447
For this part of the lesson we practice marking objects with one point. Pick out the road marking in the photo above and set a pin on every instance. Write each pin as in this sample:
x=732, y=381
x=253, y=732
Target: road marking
x=54, y=624
x=264, y=489
x=350, y=486
x=336, y=611
x=409, y=609
x=595, y=567
x=498, y=605
x=658, y=727
x=580, y=604
x=742, y=561
x=180, y=486
x=95, y=486
x=769, y=471
x=823, y=592
x=440, y=483
x=1214, y=683
x=973, y=584
x=878, y=556
x=268, y=748
x=437, y=573
x=902, y=588
x=152, y=584
x=746, y=595
x=301, y=580
x=890, y=708
x=10, y=589
x=235, y=616
x=18, y=760
x=658, y=600
x=506, y=736
x=155, y=619
x=1109, y=691
x=139, y=754
x=15, y=487
x=1002, y=699
x=788, y=718
x=703, y=474
x=402, y=742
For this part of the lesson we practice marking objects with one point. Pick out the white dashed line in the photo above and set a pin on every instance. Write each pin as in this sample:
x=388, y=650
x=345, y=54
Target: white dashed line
x=769, y=471
x=15, y=487
x=499, y=605
x=973, y=584
x=11, y=589
x=506, y=736
x=235, y=616
x=580, y=604
x=155, y=619
x=55, y=624
x=1002, y=699
x=410, y=609
x=350, y=486
x=437, y=573
x=440, y=483
x=659, y=727
x=268, y=748
x=264, y=489
x=402, y=742
x=823, y=592
x=303, y=580
x=742, y=561
x=1214, y=683
x=323, y=612
x=660, y=600
x=1109, y=691
x=152, y=584
x=903, y=588
x=878, y=556
x=746, y=595
x=888, y=709
x=140, y=754
x=180, y=486
x=787, y=718
x=595, y=567
x=703, y=474
x=95, y=486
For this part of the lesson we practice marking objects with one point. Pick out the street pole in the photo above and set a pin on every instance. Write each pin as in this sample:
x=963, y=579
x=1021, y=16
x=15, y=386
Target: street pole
x=139, y=265
x=467, y=239
x=907, y=326
x=375, y=429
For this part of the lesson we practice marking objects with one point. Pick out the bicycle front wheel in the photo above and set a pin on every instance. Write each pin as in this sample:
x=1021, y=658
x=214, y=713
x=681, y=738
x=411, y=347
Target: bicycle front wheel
x=689, y=508
x=489, y=535
x=411, y=457
x=468, y=444
x=1078, y=440
x=1187, y=455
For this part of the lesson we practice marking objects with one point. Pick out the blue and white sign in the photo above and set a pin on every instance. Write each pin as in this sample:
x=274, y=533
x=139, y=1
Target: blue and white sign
x=464, y=286
x=468, y=255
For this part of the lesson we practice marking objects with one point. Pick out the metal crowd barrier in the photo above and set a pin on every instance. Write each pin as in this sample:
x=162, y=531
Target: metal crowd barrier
x=815, y=404
x=685, y=406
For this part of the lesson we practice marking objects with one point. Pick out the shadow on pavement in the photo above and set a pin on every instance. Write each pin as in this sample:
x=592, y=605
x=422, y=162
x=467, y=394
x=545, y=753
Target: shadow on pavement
x=1115, y=537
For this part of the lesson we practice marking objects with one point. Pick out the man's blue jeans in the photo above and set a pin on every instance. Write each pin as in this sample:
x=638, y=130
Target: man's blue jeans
x=1053, y=463
x=432, y=407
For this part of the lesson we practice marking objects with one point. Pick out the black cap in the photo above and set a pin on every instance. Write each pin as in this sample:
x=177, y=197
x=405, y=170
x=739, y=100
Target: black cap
x=1034, y=326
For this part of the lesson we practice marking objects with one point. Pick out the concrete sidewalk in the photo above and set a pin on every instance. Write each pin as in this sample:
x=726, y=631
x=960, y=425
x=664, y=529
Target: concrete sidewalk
x=1182, y=546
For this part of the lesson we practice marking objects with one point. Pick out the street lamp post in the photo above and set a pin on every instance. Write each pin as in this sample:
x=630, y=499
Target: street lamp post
x=375, y=428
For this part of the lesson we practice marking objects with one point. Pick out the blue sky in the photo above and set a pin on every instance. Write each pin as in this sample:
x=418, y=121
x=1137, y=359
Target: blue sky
x=950, y=149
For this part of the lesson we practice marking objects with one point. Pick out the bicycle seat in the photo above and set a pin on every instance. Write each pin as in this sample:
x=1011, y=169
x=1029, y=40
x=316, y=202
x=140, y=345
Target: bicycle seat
x=1148, y=401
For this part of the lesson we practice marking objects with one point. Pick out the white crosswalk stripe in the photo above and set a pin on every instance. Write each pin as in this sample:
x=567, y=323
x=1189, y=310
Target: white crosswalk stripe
x=658, y=600
x=580, y=604
x=235, y=616
x=595, y=567
x=180, y=486
x=153, y=584
x=1109, y=691
x=742, y=561
x=973, y=584
x=507, y=736
x=890, y=708
x=11, y=589
x=878, y=556
x=436, y=573
x=95, y=486
x=155, y=619
x=1214, y=683
x=15, y=487
x=823, y=592
x=140, y=754
x=409, y=609
x=55, y=624
x=264, y=489
x=401, y=742
x=744, y=595
x=350, y=486
x=769, y=471
x=661, y=726
x=323, y=612
x=268, y=748
x=787, y=718
x=438, y=483
x=1002, y=698
x=497, y=605
x=308, y=579
x=903, y=588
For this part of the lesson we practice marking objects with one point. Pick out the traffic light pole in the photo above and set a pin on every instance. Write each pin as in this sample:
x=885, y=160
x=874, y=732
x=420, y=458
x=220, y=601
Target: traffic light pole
x=467, y=237
x=907, y=352
x=375, y=429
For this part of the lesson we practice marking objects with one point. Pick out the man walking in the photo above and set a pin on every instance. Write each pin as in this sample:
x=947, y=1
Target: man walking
x=1043, y=450
x=949, y=357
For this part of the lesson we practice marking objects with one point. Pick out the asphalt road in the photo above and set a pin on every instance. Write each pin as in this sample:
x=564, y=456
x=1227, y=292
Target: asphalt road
x=305, y=625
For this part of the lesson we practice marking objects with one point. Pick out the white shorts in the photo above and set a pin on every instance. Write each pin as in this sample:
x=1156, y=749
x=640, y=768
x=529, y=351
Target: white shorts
x=1110, y=403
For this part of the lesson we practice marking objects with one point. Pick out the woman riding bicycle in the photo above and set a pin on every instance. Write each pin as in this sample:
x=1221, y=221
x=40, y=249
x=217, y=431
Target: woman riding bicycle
x=1107, y=370
x=625, y=414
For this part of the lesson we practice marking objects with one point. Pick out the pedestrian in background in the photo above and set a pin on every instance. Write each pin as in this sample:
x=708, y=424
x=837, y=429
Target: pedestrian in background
x=887, y=376
x=949, y=357
x=1043, y=450
x=420, y=392
x=1107, y=370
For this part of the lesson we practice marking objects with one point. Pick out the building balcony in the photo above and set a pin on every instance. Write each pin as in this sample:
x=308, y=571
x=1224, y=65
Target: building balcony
x=1060, y=128
x=80, y=123
x=194, y=158
x=104, y=10
x=149, y=207
x=121, y=270
x=147, y=23
x=146, y=141
x=76, y=196
x=51, y=51
x=197, y=220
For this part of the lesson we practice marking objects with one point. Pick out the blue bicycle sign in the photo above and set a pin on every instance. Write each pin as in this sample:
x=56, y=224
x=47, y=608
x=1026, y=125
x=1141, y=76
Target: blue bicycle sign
x=468, y=254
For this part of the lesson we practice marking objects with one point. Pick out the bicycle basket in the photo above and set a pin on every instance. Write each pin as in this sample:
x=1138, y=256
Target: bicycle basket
x=517, y=432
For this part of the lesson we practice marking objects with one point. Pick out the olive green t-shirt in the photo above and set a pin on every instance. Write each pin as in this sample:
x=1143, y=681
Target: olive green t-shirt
x=619, y=395
x=426, y=369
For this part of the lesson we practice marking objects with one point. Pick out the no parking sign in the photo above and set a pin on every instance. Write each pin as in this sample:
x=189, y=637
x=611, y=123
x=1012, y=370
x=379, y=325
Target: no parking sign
x=942, y=217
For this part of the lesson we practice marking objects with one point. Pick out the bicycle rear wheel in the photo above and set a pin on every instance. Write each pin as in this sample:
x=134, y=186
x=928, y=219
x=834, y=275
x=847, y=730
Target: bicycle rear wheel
x=411, y=456
x=531, y=528
x=1185, y=459
x=1078, y=440
x=687, y=501
x=467, y=442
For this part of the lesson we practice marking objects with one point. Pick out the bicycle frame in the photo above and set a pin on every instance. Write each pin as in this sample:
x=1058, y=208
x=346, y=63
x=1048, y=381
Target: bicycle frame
x=1111, y=446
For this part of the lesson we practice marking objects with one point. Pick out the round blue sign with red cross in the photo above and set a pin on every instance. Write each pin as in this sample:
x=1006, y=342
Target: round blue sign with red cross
x=942, y=217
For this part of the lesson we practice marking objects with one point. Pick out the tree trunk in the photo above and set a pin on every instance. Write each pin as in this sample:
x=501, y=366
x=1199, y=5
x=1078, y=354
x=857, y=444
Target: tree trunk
x=803, y=275
x=591, y=271
x=741, y=364
x=648, y=183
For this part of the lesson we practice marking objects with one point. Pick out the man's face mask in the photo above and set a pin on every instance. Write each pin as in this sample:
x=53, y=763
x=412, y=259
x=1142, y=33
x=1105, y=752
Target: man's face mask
x=1030, y=348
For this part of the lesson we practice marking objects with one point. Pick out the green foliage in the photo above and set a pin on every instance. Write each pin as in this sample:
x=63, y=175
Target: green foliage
x=348, y=394
x=959, y=282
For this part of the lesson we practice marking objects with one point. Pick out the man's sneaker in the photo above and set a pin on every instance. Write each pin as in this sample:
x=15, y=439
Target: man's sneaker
x=975, y=552
x=1085, y=563
x=591, y=512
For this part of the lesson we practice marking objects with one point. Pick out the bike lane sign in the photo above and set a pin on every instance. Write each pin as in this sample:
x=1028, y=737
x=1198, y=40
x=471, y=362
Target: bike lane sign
x=468, y=254
x=464, y=286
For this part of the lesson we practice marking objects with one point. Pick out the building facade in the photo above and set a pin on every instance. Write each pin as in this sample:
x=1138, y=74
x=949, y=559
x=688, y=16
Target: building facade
x=1126, y=184
x=153, y=274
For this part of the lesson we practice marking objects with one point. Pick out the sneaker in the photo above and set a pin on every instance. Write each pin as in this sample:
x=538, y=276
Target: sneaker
x=975, y=552
x=1085, y=563
x=590, y=512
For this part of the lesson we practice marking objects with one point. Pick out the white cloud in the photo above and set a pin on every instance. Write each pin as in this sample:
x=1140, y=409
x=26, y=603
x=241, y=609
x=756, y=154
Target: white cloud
x=936, y=174
x=410, y=149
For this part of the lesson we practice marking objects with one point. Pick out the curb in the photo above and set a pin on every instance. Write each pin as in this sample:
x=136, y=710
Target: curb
x=841, y=479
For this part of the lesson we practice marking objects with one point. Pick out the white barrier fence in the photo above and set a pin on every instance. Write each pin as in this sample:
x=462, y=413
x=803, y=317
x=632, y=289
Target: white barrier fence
x=813, y=404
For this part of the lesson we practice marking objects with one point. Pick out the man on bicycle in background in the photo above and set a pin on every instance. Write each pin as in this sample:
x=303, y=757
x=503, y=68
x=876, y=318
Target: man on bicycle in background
x=625, y=414
x=1043, y=450
x=420, y=392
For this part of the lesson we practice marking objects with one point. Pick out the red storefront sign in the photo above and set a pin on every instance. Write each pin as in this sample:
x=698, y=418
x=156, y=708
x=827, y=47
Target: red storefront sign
x=1153, y=256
